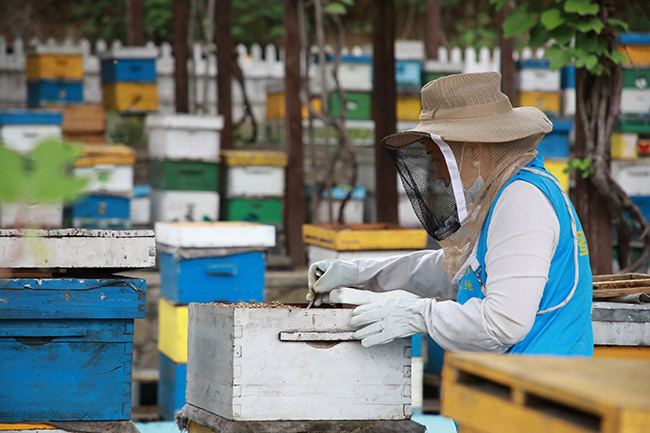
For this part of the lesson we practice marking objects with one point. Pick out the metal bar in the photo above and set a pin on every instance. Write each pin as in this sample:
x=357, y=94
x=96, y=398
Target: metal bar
x=294, y=202
x=181, y=54
x=224, y=70
x=384, y=110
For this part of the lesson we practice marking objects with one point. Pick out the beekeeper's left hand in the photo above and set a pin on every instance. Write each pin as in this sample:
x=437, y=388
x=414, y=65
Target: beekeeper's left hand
x=383, y=321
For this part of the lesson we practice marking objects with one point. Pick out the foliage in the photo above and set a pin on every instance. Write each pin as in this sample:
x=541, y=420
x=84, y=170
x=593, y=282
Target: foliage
x=42, y=177
x=572, y=31
x=127, y=130
x=584, y=166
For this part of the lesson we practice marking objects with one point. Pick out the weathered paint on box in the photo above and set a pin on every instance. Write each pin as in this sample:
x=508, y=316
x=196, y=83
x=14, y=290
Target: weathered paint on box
x=621, y=324
x=171, y=387
x=184, y=137
x=77, y=248
x=254, y=181
x=249, y=364
x=229, y=278
x=184, y=205
x=218, y=234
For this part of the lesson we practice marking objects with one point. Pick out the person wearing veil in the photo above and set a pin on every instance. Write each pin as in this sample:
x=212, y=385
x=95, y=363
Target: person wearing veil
x=513, y=253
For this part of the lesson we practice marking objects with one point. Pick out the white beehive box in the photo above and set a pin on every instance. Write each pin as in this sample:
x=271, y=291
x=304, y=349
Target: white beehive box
x=108, y=178
x=77, y=248
x=632, y=175
x=24, y=138
x=184, y=205
x=184, y=136
x=569, y=102
x=635, y=101
x=218, y=234
x=255, y=181
x=262, y=364
x=316, y=253
x=539, y=79
x=40, y=215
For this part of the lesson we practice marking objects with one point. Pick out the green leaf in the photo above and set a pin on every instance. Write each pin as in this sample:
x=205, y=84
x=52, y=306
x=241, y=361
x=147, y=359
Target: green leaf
x=499, y=3
x=12, y=181
x=552, y=19
x=538, y=36
x=581, y=7
x=518, y=22
x=619, y=26
x=347, y=2
x=591, y=61
x=335, y=9
x=559, y=57
x=594, y=24
x=616, y=56
x=562, y=35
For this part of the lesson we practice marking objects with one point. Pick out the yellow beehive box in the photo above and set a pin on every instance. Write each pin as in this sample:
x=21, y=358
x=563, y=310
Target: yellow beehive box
x=54, y=67
x=126, y=96
x=637, y=55
x=486, y=393
x=622, y=352
x=548, y=102
x=234, y=158
x=408, y=108
x=624, y=145
x=172, y=330
x=556, y=167
x=96, y=154
x=276, y=108
x=355, y=237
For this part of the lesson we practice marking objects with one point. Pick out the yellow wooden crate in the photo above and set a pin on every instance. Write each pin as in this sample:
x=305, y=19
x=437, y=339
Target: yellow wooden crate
x=253, y=157
x=490, y=393
x=276, y=108
x=55, y=67
x=622, y=352
x=408, y=108
x=127, y=96
x=548, y=102
x=356, y=237
x=25, y=426
x=637, y=55
x=172, y=330
x=95, y=154
x=556, y=167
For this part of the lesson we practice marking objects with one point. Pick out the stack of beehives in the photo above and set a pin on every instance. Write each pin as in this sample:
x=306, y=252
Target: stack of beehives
x=202, y=262
x=184, y=166
x=129, y=79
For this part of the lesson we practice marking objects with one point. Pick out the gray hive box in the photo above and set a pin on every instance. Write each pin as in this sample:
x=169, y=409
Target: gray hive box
x=77, y=249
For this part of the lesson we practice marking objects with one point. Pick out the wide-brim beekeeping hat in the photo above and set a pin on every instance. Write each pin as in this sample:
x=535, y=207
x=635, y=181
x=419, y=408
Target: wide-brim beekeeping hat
x=471, y=108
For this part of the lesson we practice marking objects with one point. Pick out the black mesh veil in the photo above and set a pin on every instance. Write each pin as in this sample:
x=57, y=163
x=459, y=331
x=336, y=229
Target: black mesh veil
x=428, y=185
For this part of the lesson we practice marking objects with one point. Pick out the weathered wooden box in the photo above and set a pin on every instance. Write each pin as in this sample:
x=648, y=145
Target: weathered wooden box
x=292, y=363
x=67, y=348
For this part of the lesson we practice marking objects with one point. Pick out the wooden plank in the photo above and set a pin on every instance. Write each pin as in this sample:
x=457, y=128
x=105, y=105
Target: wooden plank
x=77, y=248
x=609, y=286
x=622, y=352
x=481, y=391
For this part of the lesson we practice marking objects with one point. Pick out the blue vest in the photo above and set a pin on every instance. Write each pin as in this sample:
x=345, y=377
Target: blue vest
x=563, y=322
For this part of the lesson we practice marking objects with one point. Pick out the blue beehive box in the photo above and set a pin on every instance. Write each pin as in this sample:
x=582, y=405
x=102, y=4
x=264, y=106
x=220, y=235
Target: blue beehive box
x=128, y=70
x=45, y=92
x=228, y=278
x=67, y=348
x=408, y=73
x=171, y=387
x=100, y=211
x=30, y=117
x=568, y=74
x=555, y=144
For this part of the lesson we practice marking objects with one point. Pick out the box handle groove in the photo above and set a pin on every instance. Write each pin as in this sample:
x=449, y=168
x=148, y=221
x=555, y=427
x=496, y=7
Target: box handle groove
x=20, y=332
x=317, y=336
x=225, y=269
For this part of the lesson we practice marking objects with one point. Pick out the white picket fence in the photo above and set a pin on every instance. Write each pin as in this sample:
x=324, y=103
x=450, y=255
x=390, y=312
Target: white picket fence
x=261, y=67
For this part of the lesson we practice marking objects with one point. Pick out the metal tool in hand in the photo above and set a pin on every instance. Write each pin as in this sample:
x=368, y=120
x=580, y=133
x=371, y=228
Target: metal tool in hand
x=319, y=273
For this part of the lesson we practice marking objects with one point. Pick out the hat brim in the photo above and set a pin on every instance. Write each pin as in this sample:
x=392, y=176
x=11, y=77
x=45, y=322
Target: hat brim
x=518, y=123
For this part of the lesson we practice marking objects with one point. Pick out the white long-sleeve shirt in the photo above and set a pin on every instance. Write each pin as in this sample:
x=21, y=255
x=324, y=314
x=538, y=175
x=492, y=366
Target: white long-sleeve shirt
x=521, y=241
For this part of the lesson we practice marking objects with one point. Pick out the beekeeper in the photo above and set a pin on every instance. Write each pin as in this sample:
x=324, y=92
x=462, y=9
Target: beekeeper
x=511, y=242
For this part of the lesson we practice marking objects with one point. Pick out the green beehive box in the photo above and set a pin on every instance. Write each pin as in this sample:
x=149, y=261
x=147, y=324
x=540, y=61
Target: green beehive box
x=636, y=78
x=359, y=105
x=264, y=211
x=184, y=175
x=635, y=124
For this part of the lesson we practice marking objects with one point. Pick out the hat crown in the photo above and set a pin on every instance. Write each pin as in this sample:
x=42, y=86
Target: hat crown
x=462, y=90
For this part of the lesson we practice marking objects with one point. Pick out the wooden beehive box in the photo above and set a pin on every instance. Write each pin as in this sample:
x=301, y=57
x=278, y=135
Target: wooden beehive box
x=77, y=248
x=487, y=393
x=292, y=363
x=355, y=237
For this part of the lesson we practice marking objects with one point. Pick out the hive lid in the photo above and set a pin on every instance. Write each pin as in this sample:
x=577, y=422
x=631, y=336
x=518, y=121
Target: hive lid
x=95, y=154
x=254, y=157
x=218, y=234
x=30, y=117
x=184, y=121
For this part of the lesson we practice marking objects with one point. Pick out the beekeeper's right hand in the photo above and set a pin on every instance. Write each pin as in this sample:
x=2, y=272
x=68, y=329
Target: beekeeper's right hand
x=327, y=275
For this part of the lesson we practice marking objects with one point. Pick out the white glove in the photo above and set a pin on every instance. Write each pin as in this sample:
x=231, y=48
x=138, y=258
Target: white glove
x=382, y=322
x=327, y=275
x=346, y=295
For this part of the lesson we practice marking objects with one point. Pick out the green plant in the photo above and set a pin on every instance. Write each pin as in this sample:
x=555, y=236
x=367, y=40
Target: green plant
x=583, y=166
x=42, y=177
